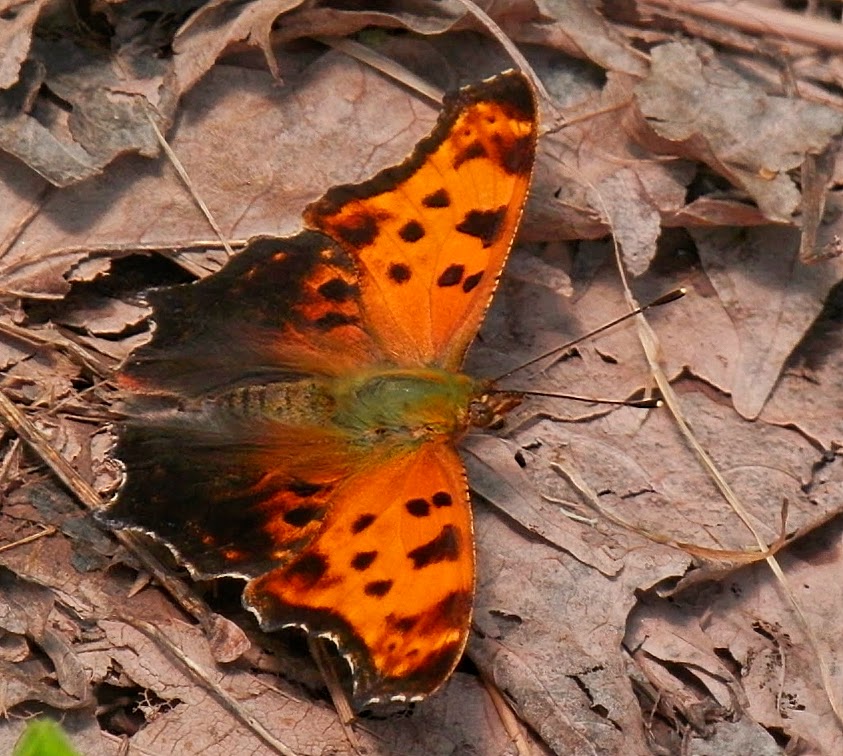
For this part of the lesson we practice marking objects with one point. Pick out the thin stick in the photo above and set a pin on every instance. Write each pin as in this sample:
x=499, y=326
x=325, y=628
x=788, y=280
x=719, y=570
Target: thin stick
x=197, y=671
x=45, y=531
x=772, y=23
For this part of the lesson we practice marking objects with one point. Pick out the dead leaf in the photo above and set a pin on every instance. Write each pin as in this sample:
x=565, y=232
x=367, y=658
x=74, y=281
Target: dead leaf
x=772, y=298
x=16, y=39
x=750, y=137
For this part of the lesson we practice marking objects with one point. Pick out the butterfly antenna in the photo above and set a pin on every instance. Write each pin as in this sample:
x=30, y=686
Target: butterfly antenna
x=643, y=403
x=671, y=296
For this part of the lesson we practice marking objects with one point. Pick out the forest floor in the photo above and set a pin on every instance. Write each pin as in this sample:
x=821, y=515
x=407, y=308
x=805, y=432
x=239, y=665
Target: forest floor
x=649, y=580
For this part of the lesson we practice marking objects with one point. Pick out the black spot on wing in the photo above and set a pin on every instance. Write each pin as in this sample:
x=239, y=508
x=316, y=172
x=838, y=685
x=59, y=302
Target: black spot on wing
x=399, y=272
x=308, y=568
x=362, y=522
x=438, y=199
x=402, y=624
x=303, y=489
x=358, y=230
x=442, y=499
x=363, y=560
x=444, y=548
x=411, y=231
x=332, y=320
x=304, y=515
x=471, y=152
x=517, y=156
x=378, y=588
x=337, y=290
x=471, y=281
x=451, y=609
x=451, y=276
x=485, y=225
x=436, y=665
x=418, y=507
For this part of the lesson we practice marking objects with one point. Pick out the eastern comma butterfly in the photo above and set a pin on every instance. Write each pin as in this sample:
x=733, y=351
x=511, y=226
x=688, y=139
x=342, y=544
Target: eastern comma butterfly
x=312, y=402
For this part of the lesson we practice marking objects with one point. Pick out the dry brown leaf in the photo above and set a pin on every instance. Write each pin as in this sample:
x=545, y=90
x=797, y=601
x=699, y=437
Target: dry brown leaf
x=500, y=480
x=576, y=28
x=744, y=622
x=772, y=299
x=634, y=459
x=697, y=108
x=16, y=39
x=88, y=121
x=545, y=638
x=211, y=30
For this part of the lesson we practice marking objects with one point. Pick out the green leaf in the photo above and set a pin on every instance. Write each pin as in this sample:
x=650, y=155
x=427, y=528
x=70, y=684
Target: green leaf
x=44, y=737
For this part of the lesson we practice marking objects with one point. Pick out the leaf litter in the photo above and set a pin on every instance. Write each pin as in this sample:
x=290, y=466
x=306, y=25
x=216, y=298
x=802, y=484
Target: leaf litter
x=600, y=637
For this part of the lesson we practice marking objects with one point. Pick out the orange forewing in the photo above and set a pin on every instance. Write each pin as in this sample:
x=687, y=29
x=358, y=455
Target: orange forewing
x=241, y=468
x=431, y=236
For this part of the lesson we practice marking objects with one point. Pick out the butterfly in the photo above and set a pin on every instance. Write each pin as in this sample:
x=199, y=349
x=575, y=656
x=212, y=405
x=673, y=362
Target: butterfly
x=295, y=416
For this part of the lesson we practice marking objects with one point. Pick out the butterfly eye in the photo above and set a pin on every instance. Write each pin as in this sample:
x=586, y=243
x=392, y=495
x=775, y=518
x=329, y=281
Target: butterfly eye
x=480, y=414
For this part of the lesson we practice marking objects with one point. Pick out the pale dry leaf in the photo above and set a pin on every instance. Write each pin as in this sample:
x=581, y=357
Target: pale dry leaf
x=16, y=38
x=550, y=631
x=529, y=318
x=86, y=122
x=714, y=210
x=12, y=351
x=597, y=174
x=58, y=160
x=734, y=738
x=749, y=624
x=635, y=222
x=496, y=476
x=664, y=640
x=41, y=379
x=578, y=29
x=772, y=298
x=102, y=316
x=809, y=392
x=816, y=178
x=764, y=464
x=699, y=109
x=213, y=28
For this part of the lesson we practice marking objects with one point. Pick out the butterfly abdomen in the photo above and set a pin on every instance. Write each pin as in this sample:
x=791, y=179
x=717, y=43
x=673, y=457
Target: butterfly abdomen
x=292, y=403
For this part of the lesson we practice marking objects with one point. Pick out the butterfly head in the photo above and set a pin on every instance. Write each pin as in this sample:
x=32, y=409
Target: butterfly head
x=489, y=408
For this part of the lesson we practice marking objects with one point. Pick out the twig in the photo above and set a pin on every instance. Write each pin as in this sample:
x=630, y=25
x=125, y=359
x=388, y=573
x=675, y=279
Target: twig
x=229, y=703
x=756, y=19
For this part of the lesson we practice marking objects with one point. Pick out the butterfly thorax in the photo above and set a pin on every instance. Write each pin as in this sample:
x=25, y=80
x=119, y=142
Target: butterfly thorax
x=404, y=405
